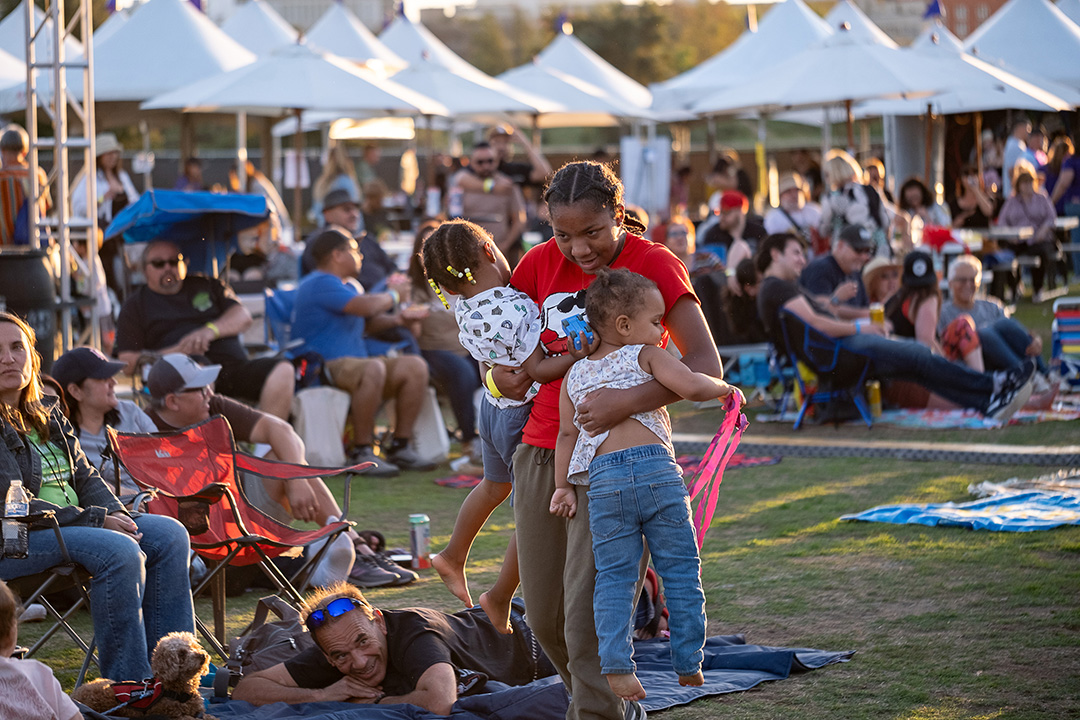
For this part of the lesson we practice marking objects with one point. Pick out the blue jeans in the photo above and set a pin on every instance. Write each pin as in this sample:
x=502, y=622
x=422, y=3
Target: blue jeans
x=634, y=492
x=1004, y=345
x=139, y=591
x=457, y=377
x=912, y=361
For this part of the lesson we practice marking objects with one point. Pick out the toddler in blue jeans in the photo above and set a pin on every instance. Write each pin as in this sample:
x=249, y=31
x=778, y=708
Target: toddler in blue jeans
x=498, y=325
x=636, y=488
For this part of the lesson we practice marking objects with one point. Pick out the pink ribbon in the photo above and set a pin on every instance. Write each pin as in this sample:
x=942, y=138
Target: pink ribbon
x=710, y=474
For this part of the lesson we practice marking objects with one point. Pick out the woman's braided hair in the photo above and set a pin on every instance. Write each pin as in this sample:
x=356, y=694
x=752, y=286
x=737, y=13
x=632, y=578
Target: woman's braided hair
x=588, y=181
x=454, y=244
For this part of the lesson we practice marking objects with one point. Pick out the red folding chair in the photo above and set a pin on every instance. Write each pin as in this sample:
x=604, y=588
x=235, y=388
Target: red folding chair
x=192, y=474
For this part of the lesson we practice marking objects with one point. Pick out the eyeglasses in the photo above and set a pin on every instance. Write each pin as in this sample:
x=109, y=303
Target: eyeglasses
x=204, y=390
x=964, y=281
x=159, y=264
x=336, y=608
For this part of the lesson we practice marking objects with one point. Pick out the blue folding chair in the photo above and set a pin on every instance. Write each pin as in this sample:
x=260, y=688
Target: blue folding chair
x=841, y=372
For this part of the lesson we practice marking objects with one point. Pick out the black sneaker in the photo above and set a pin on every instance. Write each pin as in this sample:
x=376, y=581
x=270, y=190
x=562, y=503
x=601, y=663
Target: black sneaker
x=406, y=458
x=367, y=573
x=404, y=575
x=1013, y=388
x=383, y=468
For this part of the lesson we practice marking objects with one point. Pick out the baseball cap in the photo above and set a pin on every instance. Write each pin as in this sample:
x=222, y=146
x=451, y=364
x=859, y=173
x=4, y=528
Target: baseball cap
x=175, y=372
x=790, y=181
x=338, y=197
x=857, y=237
x=733, y=199
x=919, y=270
x=78, y=364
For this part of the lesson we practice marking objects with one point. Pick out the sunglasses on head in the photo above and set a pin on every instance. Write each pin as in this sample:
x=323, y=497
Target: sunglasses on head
x=336, y=608
x=159, y=264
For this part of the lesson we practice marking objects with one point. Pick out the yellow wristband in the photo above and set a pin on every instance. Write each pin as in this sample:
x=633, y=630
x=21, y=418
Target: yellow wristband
x=491, y=386
x=214, y=329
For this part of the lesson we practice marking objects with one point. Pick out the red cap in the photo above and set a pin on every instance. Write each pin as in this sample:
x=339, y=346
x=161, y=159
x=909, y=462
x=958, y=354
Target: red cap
x=733, y=199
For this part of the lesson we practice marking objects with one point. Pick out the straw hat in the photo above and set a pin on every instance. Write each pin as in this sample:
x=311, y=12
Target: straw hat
x=107, y=143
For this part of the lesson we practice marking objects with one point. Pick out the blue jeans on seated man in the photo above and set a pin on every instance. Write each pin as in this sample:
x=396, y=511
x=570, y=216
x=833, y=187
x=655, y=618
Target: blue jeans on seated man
x=457, y=377
x=639, y=492
x=909, y=360
x=145, y=579
x=1004, y=345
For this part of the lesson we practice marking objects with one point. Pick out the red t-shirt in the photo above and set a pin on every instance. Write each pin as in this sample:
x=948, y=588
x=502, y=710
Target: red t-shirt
x=558, y=287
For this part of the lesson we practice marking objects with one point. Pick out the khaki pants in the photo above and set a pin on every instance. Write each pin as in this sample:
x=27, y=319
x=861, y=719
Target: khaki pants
x=557, y=578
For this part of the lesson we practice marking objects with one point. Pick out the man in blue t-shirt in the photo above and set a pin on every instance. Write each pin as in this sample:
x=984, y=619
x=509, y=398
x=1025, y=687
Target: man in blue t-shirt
x=836, y=279
x=331, y=312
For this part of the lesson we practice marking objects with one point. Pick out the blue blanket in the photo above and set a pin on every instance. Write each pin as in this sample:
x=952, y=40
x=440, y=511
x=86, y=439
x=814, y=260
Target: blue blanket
x=730, y=666
x=1007, y=512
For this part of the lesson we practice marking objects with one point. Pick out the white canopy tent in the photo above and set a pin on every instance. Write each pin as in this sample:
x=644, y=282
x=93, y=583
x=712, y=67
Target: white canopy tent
x=413, y=42
x=569, y=55
x=472, y=95
x=104, y=31
x=787, y=28
x=258, y=27
x=840, y=69
x=295, y=78
x=584, y=104
x=12, y=70
x=1071, y=8
x=13, y=36
x=860, y=27
x=974, y=84
x=1031, y=35
x=340, y=32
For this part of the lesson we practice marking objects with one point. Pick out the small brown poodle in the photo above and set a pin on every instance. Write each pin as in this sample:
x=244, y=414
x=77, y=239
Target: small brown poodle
x=178, y=662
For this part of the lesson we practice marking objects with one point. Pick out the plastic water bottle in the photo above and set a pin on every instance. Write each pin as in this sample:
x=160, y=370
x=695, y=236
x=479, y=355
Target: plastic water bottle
x=16, y=533
x=455, y=206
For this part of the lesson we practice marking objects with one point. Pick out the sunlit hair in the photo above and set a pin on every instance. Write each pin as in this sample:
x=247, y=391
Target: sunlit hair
x=840, y=168
x=1023, y=170
x=966, y=261
x=1060, y=149
x=30, y=414
x=416, y=262
x=454, y=244
x=613, y=293
x=337, y=163
x=589, y=182
x=320, y=597
x=9, y=611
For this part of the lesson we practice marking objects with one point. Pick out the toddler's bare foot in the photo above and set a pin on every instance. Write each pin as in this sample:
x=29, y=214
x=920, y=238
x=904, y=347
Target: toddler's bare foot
x=498, y=613
x=453, y=576
x=626, y=686
x=697, y=679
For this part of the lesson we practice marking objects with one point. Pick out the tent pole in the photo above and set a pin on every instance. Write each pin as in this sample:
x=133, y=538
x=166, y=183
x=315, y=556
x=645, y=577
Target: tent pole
x=762, y=165
x=298, y=145
x=928, y=150
x=241, y=149
x=850, y=127
x=979, y=149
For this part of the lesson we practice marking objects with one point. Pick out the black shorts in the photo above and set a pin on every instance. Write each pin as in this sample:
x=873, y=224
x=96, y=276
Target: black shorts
x=245, y=380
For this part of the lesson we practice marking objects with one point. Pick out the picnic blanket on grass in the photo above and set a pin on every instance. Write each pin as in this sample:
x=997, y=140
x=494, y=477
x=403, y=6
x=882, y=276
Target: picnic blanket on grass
x=1004, y=512
x=730, y=666
x=944, y=419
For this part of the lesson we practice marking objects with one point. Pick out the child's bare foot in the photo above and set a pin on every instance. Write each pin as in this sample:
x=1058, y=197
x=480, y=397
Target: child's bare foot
x=498, y=613
x=453, y=576
x=626, y=686
x=697, y=679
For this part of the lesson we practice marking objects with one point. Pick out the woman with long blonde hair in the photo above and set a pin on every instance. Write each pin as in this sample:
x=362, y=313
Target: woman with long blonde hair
x=337, y=174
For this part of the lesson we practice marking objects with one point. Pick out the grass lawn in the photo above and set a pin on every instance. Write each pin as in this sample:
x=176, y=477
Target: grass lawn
x=948, y=624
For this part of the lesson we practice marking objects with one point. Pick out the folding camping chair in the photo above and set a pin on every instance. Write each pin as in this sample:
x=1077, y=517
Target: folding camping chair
x=193, y=474
x=34, y=589
x=841, y=372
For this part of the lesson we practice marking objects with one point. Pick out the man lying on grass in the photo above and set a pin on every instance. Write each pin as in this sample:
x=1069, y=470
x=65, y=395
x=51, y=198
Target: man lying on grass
x=367, y=655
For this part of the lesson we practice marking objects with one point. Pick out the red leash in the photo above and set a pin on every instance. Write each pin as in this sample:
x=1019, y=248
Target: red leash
x=710, y=474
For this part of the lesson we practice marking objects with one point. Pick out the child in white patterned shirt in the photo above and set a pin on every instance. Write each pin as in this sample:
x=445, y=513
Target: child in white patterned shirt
x=636, y=488
x=498, y=325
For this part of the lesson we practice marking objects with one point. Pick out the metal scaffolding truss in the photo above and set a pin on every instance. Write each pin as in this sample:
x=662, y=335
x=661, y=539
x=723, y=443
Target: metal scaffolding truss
x=50, y=79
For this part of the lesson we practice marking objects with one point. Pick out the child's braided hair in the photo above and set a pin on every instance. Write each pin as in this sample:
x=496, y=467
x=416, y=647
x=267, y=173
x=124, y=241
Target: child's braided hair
x=454, y=244
x=588, y=181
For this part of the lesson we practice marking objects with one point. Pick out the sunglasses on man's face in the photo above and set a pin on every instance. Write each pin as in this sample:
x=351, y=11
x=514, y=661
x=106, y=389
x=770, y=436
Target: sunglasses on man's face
x=160, y=264
x=484, y=161
x=336, y=608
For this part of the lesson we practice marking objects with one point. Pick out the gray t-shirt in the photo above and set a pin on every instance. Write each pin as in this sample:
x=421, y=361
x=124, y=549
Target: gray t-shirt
x=132, y=419
x=985, y=312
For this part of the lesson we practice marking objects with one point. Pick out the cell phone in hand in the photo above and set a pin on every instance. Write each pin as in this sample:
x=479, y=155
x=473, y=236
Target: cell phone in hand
x=575, y=325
